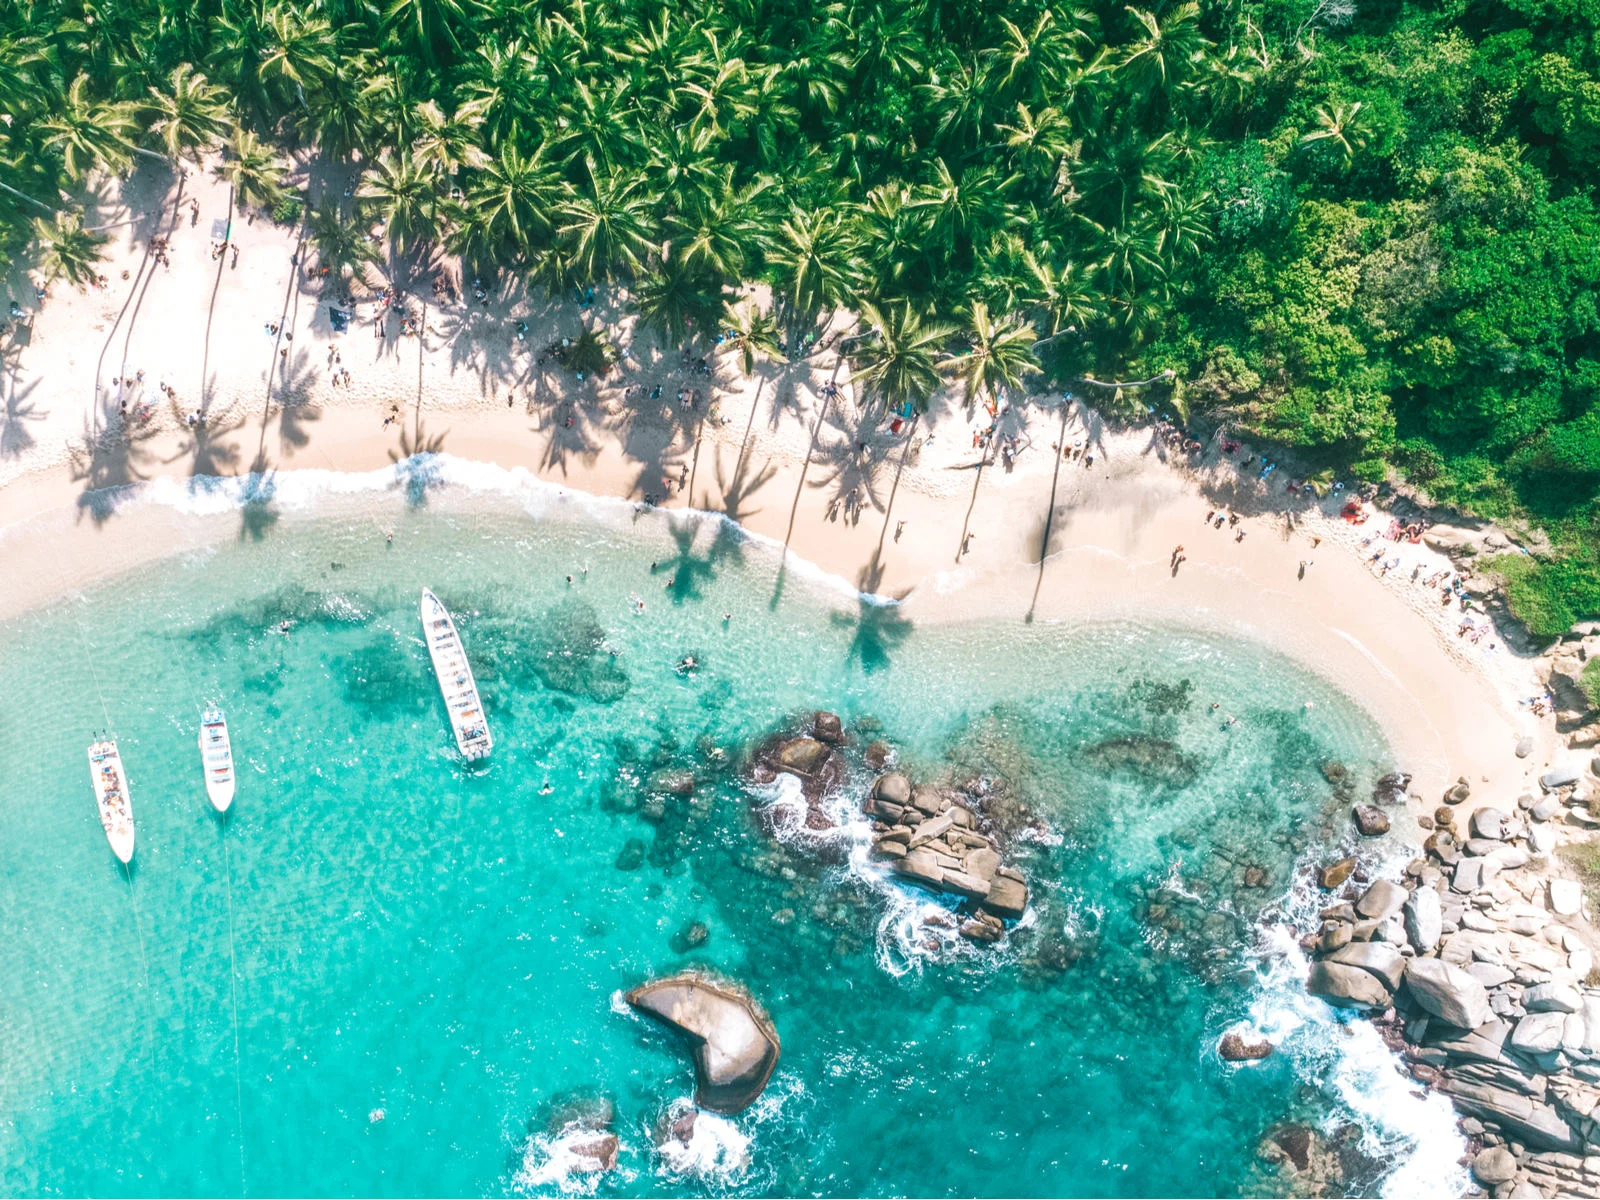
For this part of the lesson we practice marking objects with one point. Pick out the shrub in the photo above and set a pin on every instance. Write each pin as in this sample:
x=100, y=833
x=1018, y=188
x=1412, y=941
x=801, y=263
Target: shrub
x=1589, y=681
x=1549, y=596
x=287, y=210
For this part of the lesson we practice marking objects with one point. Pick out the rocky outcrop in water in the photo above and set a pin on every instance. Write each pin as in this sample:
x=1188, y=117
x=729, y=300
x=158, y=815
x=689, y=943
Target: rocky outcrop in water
x=733, y=1041
x=933, y=837
x=1479, y=968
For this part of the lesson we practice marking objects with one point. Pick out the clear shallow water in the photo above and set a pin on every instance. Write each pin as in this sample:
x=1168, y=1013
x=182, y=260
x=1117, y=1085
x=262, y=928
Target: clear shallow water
x=426, y=958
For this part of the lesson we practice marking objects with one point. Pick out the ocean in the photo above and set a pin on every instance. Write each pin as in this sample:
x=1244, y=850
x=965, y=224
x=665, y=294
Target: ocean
x=388, y=971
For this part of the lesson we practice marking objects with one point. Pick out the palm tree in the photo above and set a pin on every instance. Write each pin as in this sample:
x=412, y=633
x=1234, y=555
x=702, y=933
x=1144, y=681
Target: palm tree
x=88, y=132
x=678, y=303
x=754, y=339
x=402, y=194
x=446, y=144
x=251, y=169
x=816, y=264
x=605, y=228
x=901, y=364
x=70, y=252
x=513, y=196
x=1341, y=127
x=188, y=117
x=1065, y=294
x=1001, y=355
x=342, y=243
x=1165, y=49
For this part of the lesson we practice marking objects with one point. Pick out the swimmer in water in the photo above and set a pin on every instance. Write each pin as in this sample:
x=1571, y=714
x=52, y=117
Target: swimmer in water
x=546, y=789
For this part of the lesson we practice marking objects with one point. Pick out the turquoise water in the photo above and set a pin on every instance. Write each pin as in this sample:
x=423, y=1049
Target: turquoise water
x=424, y=958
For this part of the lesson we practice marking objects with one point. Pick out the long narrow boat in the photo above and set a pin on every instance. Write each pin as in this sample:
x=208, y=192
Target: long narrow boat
x=111, y=795
x=455, y=679
x=216, y=756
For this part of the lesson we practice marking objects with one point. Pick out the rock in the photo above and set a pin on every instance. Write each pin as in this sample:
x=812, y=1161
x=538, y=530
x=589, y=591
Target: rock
x=1552, y=997
x=1007, y=897
x=1535, y=1124
x=1383, y=961
x=673, y=783
x=1382, y=900
x=801, y=756
x=877, y=755
x=895, y=788
x=919, y=866
x=1371, y=822
x=1459, y=793
x=981, y=864
x=1473, y=873
x=1524, y=746
x=1566, y=897
x=1347, y=987
x=1489, y=823
x=966, y=885
x=1447, y=992
x=929, y=801
x=631, y=856
x=691, y=935
x=1424, y=919
x=1334, y=937
x=826, y=727
x=1510, y=858
x=1494, y=1166
x=1538, y=1033
x=1296, y=1143
x=1235, y=1047
x=981, y=931
x=927, y=831
x=1335, y=873
x=1544, y=809
x=1491, y=975
x=887, y=847
x=1559, y=777
x=734, y=1044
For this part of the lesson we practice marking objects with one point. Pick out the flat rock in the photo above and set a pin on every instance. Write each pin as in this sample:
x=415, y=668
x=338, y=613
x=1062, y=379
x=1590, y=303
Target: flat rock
x=1552, y=997
x=1382, y=900
x=1491, y=975
x=1559, y=777
x=1424, y=919
x=1370, y=821
x=1545, y=809
x=1566, y=897
x=920, y=867
x=1489, y=823
x=1447, y=992
x=1346, y=986
x=1473, y=873
x=1007, y=897
x=929, y=830
x=1381, y=960
x=1536, y=1125
x=801, y=756
x=1538, y=1033
x=981, y=864
x=733, y=1042
x=964, y=884
x=1524, y=746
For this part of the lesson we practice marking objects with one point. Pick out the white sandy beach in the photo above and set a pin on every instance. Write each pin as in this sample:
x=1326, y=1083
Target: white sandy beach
x=469, y=388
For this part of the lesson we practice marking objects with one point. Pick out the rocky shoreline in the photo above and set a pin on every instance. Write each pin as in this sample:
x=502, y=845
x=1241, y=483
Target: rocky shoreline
x=1478, y=966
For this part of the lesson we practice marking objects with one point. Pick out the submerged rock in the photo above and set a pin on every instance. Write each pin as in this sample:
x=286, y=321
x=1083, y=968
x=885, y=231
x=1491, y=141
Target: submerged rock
x=734, y=1044
x=1335, y=873
x=1152, y=758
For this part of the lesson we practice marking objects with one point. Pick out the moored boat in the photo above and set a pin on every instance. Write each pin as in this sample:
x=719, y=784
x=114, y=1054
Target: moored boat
x=111, y=796
x=454, y=673
x=216, y=756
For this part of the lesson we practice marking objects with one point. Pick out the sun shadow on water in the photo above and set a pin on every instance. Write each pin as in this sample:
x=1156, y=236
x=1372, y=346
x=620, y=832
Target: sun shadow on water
x=881, y=625
x=417, y=470
x=257, y=514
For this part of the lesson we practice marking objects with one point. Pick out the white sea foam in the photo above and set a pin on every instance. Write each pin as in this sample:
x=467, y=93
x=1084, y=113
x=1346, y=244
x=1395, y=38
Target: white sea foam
x=717, y=1149
x=565, y=1161
x=409, y=480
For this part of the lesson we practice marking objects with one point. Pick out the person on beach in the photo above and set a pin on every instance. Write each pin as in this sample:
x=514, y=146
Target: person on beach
x=899, y=529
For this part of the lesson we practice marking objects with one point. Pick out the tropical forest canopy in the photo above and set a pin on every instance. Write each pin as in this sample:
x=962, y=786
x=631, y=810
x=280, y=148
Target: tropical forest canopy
x=1360, y=228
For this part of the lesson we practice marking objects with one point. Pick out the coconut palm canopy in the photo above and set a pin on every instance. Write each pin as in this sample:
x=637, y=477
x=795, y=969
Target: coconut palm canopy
x=1372, y=236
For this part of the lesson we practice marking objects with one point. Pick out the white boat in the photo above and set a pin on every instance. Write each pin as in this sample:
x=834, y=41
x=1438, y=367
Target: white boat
x=216, y=756
x=455, y=679
x=111, y=794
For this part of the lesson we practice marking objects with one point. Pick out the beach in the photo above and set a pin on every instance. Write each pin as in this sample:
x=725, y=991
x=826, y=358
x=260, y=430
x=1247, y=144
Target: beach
x=468, y=387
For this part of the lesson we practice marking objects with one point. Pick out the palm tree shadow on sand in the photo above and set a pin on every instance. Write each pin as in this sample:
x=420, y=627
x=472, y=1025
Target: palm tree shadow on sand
x=257, y=513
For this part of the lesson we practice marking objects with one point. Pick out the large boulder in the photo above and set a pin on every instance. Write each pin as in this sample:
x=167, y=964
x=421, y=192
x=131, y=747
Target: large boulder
x=826, y=727
x=1447, y=992
x=894, y=787
x=1370, y=821
x=733, y=1041
x=1347, y=987
x=1381, y=901
x=800, y=756
x=1493, y=1166
x=1381, y=960
x=1335, y=873
x=1424, y=918
x=1489, y=823
x=1007, y=897
x=1559, y=777
x=1539, y=1032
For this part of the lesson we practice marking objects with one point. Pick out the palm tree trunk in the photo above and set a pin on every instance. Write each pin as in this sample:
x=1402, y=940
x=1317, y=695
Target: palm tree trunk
x=811, y=447
x=6, y=187
x=895, y=487
x=216, y=286
x=744, y=442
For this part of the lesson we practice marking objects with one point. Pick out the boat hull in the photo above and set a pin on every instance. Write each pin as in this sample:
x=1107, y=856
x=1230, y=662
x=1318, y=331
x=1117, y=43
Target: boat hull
x=112, y=799
x=456, y=684
x=216, y=759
